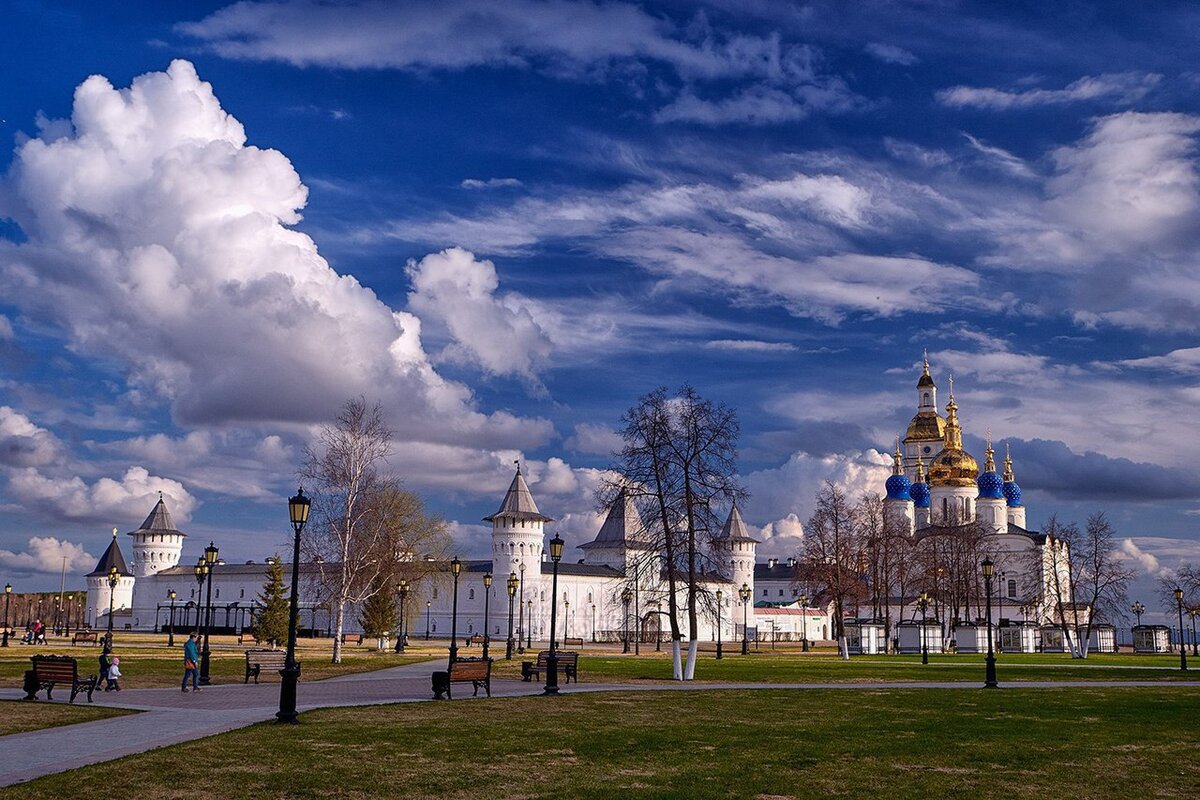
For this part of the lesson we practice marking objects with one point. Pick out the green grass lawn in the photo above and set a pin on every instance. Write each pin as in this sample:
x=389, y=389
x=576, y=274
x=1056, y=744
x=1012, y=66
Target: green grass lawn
x=826, y=667
x=1016, y=743
x=18, y=717
x=148, y=663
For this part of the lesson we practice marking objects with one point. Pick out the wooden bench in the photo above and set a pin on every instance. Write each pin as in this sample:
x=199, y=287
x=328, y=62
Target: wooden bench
x=48, y=671
x=568, y=666
x=572, y=641
x=91, y=637
x=345, y=637
x=476, y=671
x=475, y=639
x=258, y=660
x=244, y=635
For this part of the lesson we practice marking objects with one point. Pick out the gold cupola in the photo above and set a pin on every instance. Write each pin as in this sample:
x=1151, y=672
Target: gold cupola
x=927, y=425
x=953, y=466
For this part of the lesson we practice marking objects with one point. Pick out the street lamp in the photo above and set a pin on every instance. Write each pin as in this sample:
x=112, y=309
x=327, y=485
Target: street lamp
x=7, y=598
x=626, y=599
x=521, y=610
x=171, y=633
x=658, y=626
x=923, y=606
x=744, y=594
x=720, y=597
x=593, y=623
x=988, y=570
x=511, y=585
x=210, y=559
x=114, y=578
x=803, y=623
x=428, y=611
x=67, y=624
x=1193, y=612
x=556, y=552
x=298, y=508
x=402, y=589
x=201, y=570
x=1182, y=649
x=1138, y=609
x=487, y=596
x=566, y=620
x=455, y=570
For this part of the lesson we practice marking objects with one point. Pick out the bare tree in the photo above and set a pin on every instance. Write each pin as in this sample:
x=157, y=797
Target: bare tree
x=680, y=453
x=348, y=523
x=831, y=555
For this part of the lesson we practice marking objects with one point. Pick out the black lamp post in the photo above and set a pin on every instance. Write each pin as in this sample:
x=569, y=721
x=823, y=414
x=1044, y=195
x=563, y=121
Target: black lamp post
x=1193, y=612
x=720, y=598
x=402, y=590
x=1138, y=609
x=171, y=632
x=7, y=597
x=988, y=570
x=593, y=623
x=1000, y=606
x=201, y=570
x=487, y=597
x=804, y=623
x=521, y=609
x=626, y=599
x=511, y=586
x=1182, y=649
x=428, y=612
x=67, y=609
x=556, y=551
x=114, y=578
x=566, y=621
x=298, y=508
x=210, y=559
x=455, y=570
x=658, y=626
x=923, y=606
x=744, y=594
x=529, y=627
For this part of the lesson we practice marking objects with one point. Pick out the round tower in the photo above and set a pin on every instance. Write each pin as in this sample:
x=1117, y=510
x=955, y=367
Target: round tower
x=990, y=503
x=157, y=545
x=898, y=510
x=99, y=592
x=737, y=550
x=1012, y=492
x=952, y=474
x=517, y=532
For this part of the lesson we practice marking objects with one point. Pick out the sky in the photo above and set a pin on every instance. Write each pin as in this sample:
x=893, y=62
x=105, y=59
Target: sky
x=507, y=221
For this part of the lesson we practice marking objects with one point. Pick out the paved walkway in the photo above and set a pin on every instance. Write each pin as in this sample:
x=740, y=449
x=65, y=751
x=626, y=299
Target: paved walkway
x=170, y=716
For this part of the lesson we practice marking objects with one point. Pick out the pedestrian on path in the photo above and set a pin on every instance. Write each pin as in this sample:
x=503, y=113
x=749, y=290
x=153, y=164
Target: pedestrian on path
x=105, y=664
x=114, y=676
x=191, y=655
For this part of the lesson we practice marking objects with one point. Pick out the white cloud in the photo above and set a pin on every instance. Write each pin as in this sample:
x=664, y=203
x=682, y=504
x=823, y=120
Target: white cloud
x=455, y=290
x=158, y=237
x=782, y=538
x=1185, y=361
x=6, y=329
x=1147, y=562
x=1000, y=157
x=105, y=500
x=789, y=489
x=750, y=346
x=490, y=183
x=594, y=439
x=1126, y=87
x=24, y=444
x=891, y=54
x=758, y=105
x=46, y=554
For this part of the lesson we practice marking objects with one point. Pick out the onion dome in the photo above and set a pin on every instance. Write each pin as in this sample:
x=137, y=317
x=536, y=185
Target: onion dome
x=1012, y=492
x=898, y=485
x=991, y=485
x=919, y=492
x=953, y=466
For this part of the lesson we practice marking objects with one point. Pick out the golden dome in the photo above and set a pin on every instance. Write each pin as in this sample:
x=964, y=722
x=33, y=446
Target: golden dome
x=953, y=466
x=924, y=426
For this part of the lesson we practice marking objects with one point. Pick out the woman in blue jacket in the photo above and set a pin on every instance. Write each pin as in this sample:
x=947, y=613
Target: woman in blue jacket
x=191, y=657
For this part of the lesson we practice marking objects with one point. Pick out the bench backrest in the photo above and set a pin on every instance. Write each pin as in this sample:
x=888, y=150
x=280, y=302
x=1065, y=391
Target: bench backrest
x=470, y=670
x=55, y=668
x=266, y=658
x=563, y=657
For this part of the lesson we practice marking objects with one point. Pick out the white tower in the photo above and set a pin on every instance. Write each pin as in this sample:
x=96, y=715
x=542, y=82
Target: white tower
x=898, y=510
x=620, y=539
x=952, y=474
x=735, y=551
x=157, y=545
x=927, y=429
x=99, y=592
x=517, y=532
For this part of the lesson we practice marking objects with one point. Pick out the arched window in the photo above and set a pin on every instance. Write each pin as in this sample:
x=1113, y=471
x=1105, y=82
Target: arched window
x=945, y=508
x=1012, y=588
x=471, y=595
x=926, y=398
x=434, y=595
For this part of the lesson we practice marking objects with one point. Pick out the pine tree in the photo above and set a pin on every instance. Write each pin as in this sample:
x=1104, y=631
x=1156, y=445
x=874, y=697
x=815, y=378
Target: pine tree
x=379, y=616
x=271, y=622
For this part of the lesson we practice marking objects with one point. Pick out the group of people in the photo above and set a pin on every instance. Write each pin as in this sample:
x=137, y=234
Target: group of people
x=35, y=633
x=110, y=669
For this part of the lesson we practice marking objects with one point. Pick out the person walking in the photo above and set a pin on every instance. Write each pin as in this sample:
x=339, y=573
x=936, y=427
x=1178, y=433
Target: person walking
x=191, y=656
x=105, y=663
x=114, y=676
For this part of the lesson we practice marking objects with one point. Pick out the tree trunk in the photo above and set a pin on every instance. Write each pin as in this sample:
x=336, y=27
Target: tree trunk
x=676, y=659
x=693, y=647
x=337, y=631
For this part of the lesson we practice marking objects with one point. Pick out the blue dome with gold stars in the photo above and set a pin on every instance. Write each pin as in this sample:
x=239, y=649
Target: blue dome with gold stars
x=919, y=492
x=898, y=487
x=991, y=486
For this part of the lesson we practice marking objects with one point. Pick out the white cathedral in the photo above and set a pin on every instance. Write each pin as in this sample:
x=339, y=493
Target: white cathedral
x=935, y=485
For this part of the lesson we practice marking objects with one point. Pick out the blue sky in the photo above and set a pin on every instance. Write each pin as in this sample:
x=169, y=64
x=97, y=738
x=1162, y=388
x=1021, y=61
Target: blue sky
x=508, y=221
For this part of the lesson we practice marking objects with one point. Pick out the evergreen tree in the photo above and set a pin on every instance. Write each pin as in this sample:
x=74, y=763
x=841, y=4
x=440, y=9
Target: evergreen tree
x=379, y=616
x=271, y=621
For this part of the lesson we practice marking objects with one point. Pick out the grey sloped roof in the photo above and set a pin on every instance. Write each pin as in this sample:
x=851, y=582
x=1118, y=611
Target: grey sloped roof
x=735, y=529
x=112, y=558
x=159, y=521
x=518, y=503
x=622, y=526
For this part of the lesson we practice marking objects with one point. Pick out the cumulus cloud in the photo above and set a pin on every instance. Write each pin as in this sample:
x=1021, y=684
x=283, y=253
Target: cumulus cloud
x=789, y=489
x=782, y=538
x=1147, y=562
x=46, y=554
x=156, y=236
x=458, y=292
x=1185, y=361
x=1123, y=88
x=107, y=499
x=24, y=444
x=890, y=54
x=594, y=439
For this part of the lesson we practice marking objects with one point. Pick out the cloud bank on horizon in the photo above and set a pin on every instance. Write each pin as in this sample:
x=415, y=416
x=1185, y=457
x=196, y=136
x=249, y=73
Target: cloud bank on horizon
x=761, y=216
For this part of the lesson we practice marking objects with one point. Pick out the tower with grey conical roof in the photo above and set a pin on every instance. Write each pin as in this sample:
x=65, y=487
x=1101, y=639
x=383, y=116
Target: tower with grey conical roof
x=517, y=531
x=621, y=537
x=735, y=550
x=99, y=592
x=157, y=544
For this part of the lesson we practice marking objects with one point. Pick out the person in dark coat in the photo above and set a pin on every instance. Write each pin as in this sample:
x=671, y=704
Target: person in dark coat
x=105, y=663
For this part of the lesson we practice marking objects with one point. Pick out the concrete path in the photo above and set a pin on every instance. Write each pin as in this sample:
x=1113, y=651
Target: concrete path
x=170, y=716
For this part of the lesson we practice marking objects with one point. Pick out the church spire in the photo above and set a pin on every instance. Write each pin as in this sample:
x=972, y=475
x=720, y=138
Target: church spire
x=897, y=459
x=953, y=440
x=1009, y=477
x=989, y=458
